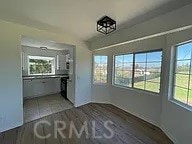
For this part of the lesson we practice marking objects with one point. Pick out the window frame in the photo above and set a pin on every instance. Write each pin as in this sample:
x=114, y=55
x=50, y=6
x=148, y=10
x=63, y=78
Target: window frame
x=113, y=74
x=133, y=72
x=173, y=75
x=93, y=69
x=53, y=69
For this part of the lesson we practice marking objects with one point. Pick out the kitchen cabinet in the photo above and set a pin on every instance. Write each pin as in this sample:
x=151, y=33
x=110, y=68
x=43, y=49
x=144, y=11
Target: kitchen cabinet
x=40, y=87
x=61, y=62
x=70, y=67
x=68, y=57
x=51, y=86
x=32, y=88
x=70, y=90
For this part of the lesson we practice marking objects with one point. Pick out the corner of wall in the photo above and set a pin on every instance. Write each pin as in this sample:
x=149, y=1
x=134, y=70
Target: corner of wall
x=171, y=137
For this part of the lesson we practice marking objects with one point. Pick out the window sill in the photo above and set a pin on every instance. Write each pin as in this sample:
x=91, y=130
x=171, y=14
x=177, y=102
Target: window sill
x=180, y=104
x=100, y=84
x=137, y=90
x=45, y=74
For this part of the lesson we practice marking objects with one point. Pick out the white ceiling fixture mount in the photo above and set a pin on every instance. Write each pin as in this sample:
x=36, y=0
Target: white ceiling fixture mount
x=43, y=48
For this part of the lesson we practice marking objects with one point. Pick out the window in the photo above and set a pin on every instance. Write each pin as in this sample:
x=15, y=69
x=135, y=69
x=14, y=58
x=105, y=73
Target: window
x=100, y=69
x=41, y=65
x=183, y=74
x=138, y=70
x=147, y=71
x=123, y=70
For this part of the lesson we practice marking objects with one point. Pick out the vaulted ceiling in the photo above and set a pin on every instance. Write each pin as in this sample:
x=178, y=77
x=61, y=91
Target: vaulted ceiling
x=78, y=17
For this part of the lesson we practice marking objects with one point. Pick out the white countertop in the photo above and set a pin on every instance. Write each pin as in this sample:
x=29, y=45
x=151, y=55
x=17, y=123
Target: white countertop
x=44, y=77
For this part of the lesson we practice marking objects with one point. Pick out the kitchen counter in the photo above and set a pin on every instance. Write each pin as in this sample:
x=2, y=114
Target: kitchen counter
x=44, y=77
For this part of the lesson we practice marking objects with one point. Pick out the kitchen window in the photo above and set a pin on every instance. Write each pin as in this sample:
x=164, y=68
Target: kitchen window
x=100, y=70
x=38, y=65
x=138, y=70
x=182, y=89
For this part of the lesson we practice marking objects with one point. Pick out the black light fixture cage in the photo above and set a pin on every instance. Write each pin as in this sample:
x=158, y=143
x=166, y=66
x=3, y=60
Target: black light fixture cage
x=106, y=25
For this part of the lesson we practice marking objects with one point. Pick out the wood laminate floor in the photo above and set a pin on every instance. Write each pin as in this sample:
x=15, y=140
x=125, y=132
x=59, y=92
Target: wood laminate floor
x=39, y=107
x=127, y=128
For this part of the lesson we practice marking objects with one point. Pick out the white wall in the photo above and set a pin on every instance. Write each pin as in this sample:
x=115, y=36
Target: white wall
x=142, y=104
x=174, y=119
x=11, y=104
x=83, y=76
x=101, y=92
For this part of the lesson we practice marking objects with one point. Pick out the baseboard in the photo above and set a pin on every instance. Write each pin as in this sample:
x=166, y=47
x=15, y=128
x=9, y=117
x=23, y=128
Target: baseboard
x=11, y=127
x=174, y=140
x=171, y=137
x=81, y=104
x=106, y=102
x=35, y=96
x=135, y=114
x=140, y=116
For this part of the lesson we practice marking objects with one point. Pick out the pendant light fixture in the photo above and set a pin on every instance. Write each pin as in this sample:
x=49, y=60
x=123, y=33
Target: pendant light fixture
x=106, y=25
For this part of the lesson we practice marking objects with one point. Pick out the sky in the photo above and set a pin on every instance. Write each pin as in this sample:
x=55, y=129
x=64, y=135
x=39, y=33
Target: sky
x=140, y=57
x=184, y=51
x=100, y=59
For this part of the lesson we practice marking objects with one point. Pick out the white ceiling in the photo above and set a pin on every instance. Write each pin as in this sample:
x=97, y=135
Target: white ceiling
x=37, y=43
x=78, y=17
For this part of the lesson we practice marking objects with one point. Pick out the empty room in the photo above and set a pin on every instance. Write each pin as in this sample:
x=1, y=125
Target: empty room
x=96, y=71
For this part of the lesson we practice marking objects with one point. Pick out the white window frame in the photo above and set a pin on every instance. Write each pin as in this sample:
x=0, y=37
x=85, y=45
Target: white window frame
x=43, y=58
x=173, y=67
x=132, y=87
x=93, y=74
x=113, y=79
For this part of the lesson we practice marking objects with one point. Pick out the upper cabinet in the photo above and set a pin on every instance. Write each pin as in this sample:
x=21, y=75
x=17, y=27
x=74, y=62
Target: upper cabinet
x=61, y=62
x=69, y=63
x=67, y=57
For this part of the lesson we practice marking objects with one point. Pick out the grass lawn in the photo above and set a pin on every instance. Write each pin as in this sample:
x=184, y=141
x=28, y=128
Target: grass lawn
x=150, y=86
x=180, y=93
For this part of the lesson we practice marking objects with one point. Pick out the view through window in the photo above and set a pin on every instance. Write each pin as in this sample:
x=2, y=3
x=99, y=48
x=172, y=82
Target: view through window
x=100, y=69
x=147, y=72
x=123, y=70
x=183, y=74
x=41, y=65
x=138, y=70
